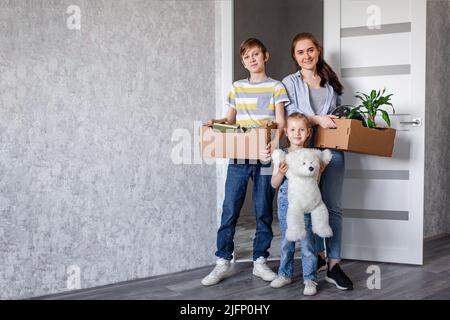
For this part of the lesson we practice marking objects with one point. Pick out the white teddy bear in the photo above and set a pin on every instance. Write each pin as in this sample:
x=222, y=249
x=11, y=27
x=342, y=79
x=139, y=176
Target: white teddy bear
x=303, y=191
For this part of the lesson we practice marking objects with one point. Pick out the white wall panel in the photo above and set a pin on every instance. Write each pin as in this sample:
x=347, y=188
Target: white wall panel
x=398, y=85
x=375, y=194
x=376, y=50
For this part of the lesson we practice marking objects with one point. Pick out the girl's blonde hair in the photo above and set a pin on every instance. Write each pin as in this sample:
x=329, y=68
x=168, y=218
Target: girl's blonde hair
x=300, y=116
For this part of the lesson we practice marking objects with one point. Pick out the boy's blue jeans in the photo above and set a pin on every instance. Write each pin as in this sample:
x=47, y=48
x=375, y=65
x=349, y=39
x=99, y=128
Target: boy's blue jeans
x=331, y=187
x=238, y=175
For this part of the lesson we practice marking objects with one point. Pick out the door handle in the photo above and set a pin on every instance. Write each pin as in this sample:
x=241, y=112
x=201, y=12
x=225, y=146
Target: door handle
x=417, y=122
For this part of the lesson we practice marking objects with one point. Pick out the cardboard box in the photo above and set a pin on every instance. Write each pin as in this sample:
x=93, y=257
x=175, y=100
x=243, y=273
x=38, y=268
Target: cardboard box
x=235, y=145
x=350, y=135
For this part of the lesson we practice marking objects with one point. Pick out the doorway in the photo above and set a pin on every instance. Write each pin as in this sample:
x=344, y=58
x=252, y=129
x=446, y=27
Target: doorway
x=275, y=23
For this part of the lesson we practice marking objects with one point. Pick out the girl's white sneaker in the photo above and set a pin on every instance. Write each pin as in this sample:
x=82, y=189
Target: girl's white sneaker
x=280, y=281
x=310, y=288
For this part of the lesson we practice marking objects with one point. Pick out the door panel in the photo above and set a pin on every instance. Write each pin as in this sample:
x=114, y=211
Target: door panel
x=383, y=197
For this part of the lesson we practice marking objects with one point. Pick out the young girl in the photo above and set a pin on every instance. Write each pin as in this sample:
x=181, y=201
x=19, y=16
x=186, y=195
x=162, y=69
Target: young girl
x=298, y=132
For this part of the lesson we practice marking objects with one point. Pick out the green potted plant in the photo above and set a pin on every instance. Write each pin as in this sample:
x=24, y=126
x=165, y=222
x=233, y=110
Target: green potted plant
x=370, y=107
x=354, y=127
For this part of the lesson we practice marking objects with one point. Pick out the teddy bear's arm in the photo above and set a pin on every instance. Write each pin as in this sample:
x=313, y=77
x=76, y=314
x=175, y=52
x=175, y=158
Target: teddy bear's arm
x=278, y=156
x=326, y=156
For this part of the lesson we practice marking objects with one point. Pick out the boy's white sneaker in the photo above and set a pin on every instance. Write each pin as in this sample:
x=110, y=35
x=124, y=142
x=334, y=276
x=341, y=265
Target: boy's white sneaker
x=310, y=288
x=260, y=269
x=280, y=281
x=219, y=273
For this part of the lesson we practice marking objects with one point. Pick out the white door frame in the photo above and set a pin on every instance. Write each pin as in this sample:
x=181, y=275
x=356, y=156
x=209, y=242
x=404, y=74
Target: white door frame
x=224, y=22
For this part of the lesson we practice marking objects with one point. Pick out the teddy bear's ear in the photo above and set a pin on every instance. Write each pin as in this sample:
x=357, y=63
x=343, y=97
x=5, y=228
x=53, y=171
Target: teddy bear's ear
x=278, y=156
x=326, y=156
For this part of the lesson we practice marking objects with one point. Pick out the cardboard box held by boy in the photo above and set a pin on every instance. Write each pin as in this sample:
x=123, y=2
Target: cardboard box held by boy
x=235, y=142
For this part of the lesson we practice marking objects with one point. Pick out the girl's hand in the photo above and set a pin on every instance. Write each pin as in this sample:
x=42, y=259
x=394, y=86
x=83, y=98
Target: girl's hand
x=283, y=167
x=326, y=121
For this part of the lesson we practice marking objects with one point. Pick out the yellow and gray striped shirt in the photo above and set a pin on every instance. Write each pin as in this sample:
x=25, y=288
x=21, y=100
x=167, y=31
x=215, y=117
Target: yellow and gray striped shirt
x=255, y=102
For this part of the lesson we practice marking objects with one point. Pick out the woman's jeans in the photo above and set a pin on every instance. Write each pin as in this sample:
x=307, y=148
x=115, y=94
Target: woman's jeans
x=331, y=183
x=263, y=195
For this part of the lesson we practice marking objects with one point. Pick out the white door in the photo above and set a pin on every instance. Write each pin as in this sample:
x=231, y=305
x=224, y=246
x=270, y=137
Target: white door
x=371, y=45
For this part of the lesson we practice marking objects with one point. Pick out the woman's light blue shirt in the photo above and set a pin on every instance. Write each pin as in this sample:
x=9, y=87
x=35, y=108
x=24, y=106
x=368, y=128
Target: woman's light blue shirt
x=298, y=93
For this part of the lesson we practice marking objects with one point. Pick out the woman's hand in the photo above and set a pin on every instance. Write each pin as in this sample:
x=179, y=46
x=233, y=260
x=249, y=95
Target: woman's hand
x=321, y=170
x=322, y=167
x=283, y=167
x=325, y=121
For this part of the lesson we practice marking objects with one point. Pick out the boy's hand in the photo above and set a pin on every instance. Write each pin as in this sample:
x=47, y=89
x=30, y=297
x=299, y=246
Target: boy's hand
x=273, y=145
x=283, y=167
x=266, y=154
x=210, y=122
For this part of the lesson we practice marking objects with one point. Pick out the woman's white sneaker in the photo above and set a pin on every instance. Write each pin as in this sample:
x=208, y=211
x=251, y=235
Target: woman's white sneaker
x=219, y=273
x=280, y=282
x=310, y=288
x=260, y=269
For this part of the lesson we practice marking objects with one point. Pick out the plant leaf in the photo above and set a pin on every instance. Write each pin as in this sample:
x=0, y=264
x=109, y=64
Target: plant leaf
x=390, y=104
x=370, y=123
x=373, y=94
x=365, y=95
x=385, y=117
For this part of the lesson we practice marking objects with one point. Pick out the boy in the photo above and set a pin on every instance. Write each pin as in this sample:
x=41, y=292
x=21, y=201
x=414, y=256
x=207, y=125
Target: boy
x=252, y=102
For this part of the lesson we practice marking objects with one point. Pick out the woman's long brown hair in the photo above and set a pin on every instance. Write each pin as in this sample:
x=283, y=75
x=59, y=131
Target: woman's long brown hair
x=324, y=70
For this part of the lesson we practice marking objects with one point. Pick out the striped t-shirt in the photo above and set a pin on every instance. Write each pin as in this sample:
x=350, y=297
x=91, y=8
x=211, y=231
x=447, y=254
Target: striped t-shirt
x=255, y=102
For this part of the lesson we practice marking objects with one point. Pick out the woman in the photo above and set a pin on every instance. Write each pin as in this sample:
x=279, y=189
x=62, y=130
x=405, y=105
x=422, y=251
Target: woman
x=315, y=90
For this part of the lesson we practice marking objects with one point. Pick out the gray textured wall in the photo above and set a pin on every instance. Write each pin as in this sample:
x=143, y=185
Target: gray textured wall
x=437, y=130
x=86, y=119
x=275, y=23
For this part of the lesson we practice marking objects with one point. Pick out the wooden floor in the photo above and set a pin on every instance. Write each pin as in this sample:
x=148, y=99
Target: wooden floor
x=430, y=281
